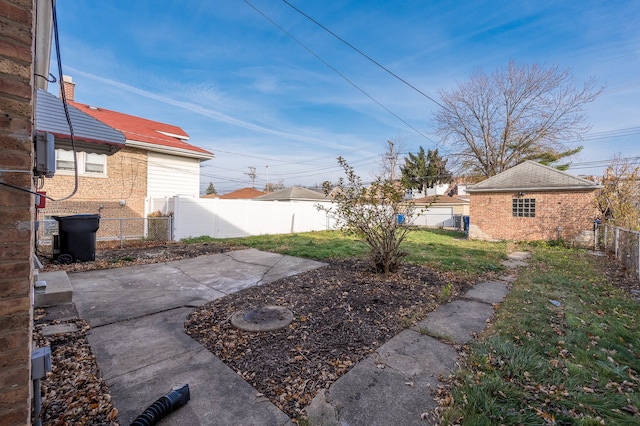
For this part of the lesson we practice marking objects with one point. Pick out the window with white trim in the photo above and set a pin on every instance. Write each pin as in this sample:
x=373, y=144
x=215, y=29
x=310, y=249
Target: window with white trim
x=89, y=164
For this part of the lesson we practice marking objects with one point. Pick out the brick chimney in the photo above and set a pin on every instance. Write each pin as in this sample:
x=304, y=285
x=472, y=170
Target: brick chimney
x=69, y=87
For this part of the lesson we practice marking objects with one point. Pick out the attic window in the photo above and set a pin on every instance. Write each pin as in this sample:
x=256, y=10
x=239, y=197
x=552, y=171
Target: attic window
x=524, y=207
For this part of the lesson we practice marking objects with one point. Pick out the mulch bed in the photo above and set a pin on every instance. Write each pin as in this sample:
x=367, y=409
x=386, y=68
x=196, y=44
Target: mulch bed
x=342, y=313
x=73, y=393
x=111, y=254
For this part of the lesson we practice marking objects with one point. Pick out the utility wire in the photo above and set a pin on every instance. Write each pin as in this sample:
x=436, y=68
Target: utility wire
x=365, y=55
x=335, y=70
x=66, y=113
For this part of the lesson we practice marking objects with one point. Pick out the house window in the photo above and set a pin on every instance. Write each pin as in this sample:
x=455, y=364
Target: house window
x=524, y=207
x=89, y=164
x=64, y=160
x=94, y=163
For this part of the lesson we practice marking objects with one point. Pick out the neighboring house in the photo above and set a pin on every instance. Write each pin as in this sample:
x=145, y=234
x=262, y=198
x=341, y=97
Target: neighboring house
x=156, y=161
x=440, y=211
x=533, y=202
x=295, y=193
x=244, y=193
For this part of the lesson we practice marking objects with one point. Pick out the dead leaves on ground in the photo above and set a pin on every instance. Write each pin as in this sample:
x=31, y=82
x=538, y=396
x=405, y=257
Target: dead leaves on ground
x=73, y=393
x=342, y=313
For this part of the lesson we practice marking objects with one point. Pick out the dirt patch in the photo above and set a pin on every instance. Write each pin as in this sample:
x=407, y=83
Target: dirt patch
x=342, y=313
x=109, y=254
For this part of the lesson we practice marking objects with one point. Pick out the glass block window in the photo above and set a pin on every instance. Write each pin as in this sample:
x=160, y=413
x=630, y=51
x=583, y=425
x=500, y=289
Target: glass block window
x=524, y=207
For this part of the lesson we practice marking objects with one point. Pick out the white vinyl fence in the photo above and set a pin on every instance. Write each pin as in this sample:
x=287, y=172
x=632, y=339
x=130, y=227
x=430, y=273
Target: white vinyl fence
x=194, y=217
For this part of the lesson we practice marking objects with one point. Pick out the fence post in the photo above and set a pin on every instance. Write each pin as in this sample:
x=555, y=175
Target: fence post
x=617, y=241
x=121, y=232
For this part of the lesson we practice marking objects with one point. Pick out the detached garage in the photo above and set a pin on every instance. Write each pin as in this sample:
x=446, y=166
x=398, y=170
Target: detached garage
x=440, y=211
x=531, y=202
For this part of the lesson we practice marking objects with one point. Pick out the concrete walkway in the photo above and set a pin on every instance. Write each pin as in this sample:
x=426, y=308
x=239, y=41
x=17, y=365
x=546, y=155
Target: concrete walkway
x=137, y=334
x=137, y=317
x=393, y=385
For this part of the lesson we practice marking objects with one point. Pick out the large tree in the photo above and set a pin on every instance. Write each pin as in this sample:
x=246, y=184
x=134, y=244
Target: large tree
x=422, y=171
x=522, y=112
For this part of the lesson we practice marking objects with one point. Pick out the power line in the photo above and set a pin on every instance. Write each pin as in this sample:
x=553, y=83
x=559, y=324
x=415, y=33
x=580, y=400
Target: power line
x=365, y=55
x=336, y=71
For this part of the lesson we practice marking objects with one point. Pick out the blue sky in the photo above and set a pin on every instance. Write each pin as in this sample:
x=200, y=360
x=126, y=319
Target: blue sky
x=248, y=92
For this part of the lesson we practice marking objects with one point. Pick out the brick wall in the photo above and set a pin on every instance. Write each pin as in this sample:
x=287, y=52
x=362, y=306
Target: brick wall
x=16, y=209
x=126, y=180
x=492, y=219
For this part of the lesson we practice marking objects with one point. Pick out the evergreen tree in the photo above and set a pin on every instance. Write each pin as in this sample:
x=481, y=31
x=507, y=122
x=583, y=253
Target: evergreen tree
x=424, y=170
x=211, y=189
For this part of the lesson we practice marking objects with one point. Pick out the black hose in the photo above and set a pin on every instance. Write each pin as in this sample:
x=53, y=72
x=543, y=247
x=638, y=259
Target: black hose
x=163, y=406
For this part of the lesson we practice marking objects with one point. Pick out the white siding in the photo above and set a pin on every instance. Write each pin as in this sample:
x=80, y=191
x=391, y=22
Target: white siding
x=169, y=175
x=435, y=217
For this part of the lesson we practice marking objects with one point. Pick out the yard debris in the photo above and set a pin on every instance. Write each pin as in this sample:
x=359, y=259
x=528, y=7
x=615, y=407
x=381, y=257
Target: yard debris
x=74, y=392
x=342, y=313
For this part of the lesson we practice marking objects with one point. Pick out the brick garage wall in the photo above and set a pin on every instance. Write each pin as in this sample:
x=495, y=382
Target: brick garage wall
x=492, y=219
x=16, y=209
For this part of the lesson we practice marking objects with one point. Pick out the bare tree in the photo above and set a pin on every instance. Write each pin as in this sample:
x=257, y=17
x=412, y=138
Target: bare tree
x=271, y=187
x=619, y=199
x=522, y=112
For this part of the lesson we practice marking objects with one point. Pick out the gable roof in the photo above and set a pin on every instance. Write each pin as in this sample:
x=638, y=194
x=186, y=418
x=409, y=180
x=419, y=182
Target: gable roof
x=532, y=176
x=440, y=199
x=147, y=134
x=295, y=193
x=242, y=193
x=89, y=134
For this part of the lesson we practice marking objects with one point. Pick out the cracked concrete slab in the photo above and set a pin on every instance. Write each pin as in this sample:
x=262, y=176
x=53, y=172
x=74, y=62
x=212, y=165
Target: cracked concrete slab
x=110, y=295
x=137, y=316
x=391, y=386
x=137, y=378
x=458, y=320
x=488, y=291
x=519, y=255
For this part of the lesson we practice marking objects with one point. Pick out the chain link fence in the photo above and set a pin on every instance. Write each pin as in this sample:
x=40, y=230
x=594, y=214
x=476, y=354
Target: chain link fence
x=115, y=229
x=623, y=244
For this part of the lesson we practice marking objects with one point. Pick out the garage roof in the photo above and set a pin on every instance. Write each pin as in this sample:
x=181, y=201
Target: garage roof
x=532, y=176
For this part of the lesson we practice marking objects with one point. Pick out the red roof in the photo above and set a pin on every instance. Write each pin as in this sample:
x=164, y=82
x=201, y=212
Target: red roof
x=143, y=130
x=242, y=193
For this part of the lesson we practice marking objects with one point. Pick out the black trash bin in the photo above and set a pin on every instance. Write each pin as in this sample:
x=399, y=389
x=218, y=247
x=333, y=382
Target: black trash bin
x=77, y=238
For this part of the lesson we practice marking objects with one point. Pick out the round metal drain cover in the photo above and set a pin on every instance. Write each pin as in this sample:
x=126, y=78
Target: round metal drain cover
x=265, y=318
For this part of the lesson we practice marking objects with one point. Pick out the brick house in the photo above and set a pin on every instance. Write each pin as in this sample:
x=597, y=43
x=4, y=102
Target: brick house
x=16, y=208
x=531, y=202
x=156, y=161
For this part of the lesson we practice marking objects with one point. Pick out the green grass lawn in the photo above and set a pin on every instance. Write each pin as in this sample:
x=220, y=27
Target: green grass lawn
x=576, y=363
x=444, y=250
